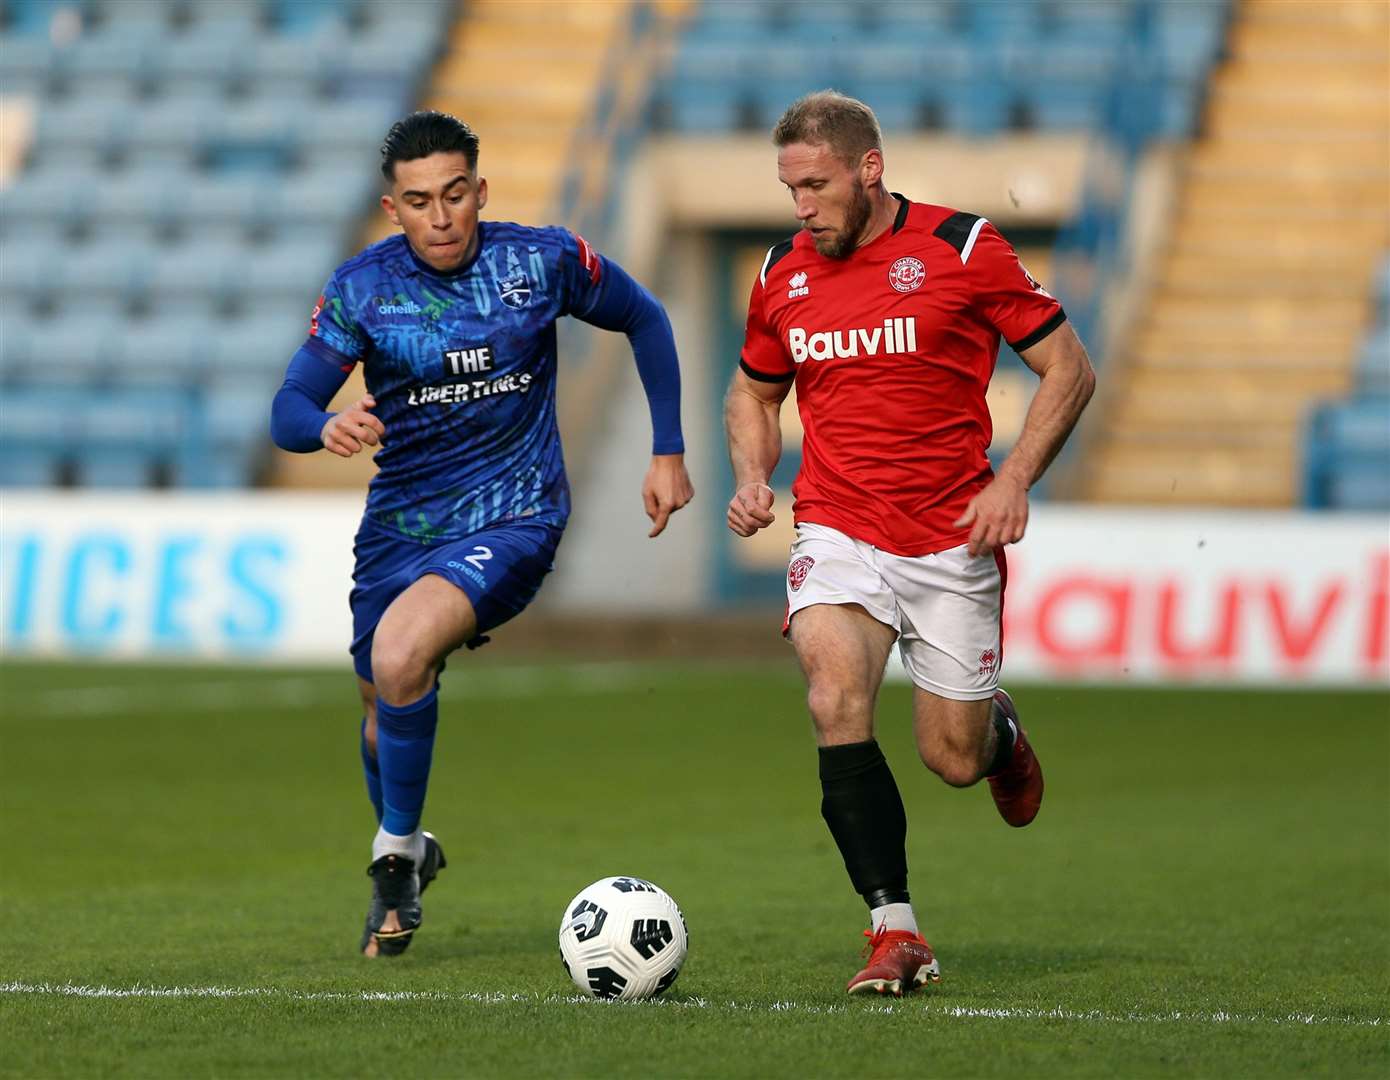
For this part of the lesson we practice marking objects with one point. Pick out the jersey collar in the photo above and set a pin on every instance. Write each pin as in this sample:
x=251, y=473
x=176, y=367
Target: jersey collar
x=901, y=219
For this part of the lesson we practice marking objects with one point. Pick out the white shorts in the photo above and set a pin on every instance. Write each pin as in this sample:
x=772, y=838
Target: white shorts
x=947, y=607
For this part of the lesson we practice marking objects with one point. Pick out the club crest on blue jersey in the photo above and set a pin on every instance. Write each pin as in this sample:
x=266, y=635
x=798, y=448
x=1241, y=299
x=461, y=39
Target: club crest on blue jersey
x=515, y=289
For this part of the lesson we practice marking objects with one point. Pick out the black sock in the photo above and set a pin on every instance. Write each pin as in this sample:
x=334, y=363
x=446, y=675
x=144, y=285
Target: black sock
x=1004, y=747
x=861, y=804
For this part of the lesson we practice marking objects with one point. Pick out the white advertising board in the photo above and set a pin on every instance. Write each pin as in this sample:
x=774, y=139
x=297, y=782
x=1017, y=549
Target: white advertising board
x=209, y=576
x=1178, y=596
x=1093, y=594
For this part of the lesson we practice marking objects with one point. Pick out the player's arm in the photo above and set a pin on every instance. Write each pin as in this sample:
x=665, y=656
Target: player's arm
x=1036, y=327
x=1066, y=382
x=609, y=298
x=299, y=420
x=752, y=420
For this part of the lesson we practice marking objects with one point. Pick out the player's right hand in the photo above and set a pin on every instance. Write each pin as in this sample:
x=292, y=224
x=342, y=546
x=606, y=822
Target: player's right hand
x=348, y=431
x=751, y=509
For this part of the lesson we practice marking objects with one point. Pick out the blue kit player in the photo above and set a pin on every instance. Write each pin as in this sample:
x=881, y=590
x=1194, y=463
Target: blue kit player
x=454, y=324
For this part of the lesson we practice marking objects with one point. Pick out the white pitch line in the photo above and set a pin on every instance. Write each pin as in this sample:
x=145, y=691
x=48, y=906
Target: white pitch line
x=919, y=1005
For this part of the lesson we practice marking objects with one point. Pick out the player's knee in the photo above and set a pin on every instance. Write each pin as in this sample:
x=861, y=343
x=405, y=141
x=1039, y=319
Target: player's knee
x=838, y=710
x=402, y=670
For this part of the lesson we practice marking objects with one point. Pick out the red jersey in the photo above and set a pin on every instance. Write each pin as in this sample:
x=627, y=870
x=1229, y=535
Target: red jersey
x=892, y=350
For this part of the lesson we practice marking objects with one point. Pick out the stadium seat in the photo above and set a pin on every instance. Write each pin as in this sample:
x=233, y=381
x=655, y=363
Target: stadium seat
x=197, y=169
x=29, y=466
x=1347, y=454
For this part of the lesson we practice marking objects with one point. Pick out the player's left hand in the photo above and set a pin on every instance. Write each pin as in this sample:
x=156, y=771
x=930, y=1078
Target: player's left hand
x=666, y=489
x=998, y=515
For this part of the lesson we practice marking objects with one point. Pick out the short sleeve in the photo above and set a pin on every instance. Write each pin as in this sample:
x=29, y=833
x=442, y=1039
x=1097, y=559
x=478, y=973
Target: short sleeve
x=333, y=322
x=581, y=271
x=1006, y=294
x=763, y=357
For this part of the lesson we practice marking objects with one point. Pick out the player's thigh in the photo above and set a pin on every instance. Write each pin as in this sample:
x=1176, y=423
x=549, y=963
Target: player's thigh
x=950, y=607
x=841, y=619
x=429, y=619
x=842, y=650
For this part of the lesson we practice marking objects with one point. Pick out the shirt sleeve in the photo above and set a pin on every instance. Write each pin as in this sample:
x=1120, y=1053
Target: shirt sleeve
x=582, y=272
x=334, y=325
x=1007, y=295
x=763, y=357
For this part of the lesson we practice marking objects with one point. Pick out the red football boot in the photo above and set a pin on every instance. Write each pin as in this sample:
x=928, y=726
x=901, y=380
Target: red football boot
x=1018, y=787
x=899, y=961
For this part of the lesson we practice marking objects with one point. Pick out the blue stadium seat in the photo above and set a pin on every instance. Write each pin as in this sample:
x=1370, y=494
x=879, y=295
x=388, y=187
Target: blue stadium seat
x=26, y=64
x=305, y=17
x=29, y=466
x=1347, y=454
x=63, y=352
x=169, y=351
x=114, y=466
x=32, y=18
x=1361, y=486
x=1373, y=362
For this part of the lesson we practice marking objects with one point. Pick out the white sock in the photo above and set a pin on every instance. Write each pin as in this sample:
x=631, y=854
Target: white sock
x=412, y=846
x=894, y=917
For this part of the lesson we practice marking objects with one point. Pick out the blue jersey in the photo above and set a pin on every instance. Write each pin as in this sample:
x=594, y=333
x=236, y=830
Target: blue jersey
x=463, y=368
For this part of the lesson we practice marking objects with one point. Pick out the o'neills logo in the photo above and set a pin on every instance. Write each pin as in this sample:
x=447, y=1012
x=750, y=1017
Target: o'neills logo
x=894, y=336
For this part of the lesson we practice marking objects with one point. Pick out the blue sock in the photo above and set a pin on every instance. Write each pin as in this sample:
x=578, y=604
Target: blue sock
x=373, y=773
x=404, y=746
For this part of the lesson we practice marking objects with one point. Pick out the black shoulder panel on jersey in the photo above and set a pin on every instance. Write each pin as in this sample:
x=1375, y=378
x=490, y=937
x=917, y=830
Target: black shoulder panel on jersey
x=1056, y=320
x=754, y=373
x=901, y=219
x=776, y=255
x=955, y=230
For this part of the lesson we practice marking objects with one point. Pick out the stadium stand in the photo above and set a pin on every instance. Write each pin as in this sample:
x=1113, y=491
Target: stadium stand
x=980, y=69
x=196, y=169
x=1346, y=450
x=1280, y=224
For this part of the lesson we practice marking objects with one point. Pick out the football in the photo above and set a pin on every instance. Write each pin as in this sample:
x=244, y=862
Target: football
x=623, y=937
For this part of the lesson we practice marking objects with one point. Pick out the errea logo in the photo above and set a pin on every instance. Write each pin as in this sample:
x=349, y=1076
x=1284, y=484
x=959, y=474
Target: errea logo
x=798, y=285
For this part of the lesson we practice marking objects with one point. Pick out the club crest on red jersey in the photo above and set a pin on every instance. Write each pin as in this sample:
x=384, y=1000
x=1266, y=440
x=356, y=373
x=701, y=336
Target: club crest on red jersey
x=907, y=274
x=797, y=571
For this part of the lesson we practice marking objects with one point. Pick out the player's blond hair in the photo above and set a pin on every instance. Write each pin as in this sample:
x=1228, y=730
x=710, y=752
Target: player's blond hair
x=830, y=118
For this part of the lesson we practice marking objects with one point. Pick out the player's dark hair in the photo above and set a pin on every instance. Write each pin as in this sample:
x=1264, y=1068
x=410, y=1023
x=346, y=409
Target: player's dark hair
x=424, y=133
x=830, y=118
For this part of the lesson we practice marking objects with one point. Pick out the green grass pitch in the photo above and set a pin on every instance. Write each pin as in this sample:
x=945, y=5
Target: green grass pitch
x=1206, y=891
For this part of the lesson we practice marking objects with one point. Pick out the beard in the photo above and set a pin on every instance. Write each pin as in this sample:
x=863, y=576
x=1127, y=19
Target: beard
x=841, y=243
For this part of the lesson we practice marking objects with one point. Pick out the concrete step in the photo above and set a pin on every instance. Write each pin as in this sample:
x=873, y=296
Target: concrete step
x=1306, y=154
x=1231, y=388
x=1272, y=313
x=1307, y=38
x=1280, y=357
x=1364, y=15
x=1183, y=476
x=1215, y=228
x=1232, y=338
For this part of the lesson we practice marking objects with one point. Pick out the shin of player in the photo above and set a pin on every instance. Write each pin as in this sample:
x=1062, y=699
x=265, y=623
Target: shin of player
x=887, y=315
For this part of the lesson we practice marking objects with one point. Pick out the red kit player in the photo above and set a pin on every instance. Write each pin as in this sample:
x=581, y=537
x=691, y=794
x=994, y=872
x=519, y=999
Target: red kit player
x=886, y=315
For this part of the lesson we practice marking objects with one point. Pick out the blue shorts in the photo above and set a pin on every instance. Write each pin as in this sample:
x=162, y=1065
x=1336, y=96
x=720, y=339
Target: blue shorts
x=500, y=569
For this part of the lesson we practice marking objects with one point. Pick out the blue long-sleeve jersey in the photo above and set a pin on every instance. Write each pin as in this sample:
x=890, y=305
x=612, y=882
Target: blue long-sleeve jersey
x=463, y=367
